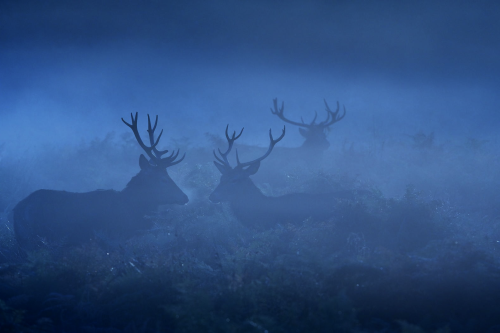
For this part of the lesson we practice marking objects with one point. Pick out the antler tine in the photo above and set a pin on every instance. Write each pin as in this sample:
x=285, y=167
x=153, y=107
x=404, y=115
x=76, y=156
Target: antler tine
x=313, y=122
x=328, y=116
x=170, y=160
x=153, y=153
x=223, y=159
x=178, y=161
x=334, y=115
x=271, y=146
x=151, y=131
x=218, y=159
x=133, y=126
x=279, y=112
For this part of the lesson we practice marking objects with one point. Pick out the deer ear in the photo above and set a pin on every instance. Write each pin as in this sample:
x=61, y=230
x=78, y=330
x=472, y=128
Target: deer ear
x=221, y=167
x=252, y=168
x=303, y=132
x=144, y=163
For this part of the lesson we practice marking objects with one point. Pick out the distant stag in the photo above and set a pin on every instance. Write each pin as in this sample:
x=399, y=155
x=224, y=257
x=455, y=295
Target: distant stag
x=48, y=217
x=251, y=206
x=314, y=133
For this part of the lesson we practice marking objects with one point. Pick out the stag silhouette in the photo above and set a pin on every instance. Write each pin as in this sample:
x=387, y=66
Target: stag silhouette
x=252, y=207
x=314, y=133
x=49, y=217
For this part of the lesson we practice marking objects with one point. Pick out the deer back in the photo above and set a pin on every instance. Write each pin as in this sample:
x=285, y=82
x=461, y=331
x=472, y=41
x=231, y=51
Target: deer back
x=48, y=217
x=258, y=211
x=59, y=218
x=287, y=209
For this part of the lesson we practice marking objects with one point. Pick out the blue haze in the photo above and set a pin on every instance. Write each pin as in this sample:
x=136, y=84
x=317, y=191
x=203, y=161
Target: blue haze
x=70, y=70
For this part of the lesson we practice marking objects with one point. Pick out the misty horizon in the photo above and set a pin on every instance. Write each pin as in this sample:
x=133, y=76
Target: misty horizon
x=69, y=72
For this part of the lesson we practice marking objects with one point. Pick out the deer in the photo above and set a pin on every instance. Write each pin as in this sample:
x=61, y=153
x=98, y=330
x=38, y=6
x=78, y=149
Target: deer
x=256, y=210
x=314, y=133
x=50, y=218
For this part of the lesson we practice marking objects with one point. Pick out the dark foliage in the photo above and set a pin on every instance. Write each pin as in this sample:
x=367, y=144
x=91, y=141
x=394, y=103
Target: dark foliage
x=402, y=264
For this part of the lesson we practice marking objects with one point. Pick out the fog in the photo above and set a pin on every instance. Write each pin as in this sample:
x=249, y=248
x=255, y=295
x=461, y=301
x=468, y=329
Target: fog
x=413, y=168
x=70, y=71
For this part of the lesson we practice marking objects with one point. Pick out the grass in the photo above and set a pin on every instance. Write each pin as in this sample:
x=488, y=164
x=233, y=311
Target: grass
x=418, y=262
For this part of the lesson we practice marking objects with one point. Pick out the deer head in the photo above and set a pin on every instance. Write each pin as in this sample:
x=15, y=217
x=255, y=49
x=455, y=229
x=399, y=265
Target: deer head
x=236, y=181
x=153, y=182
x=314, y=133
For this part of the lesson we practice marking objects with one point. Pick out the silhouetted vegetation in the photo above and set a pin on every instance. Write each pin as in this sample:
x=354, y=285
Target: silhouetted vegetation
x=424, y=260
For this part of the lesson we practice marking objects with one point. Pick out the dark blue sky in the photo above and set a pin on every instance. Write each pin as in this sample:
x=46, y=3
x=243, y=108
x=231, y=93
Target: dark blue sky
x=70, y=69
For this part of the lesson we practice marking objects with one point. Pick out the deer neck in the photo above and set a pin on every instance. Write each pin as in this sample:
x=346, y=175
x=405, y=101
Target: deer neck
x=136, y=200
x=248, y=196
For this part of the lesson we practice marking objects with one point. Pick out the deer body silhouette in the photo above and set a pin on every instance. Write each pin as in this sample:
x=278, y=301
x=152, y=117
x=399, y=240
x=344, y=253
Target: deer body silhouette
x=49, y=217
x=251, y=206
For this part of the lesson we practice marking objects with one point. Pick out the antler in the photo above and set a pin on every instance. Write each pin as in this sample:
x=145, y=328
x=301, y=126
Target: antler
x=167, y=161
x=332, y=117
x=223, y=159
x=153, y=153
x=279, y=113
x=133, y=126
x=151, y=132
x=271, y=146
